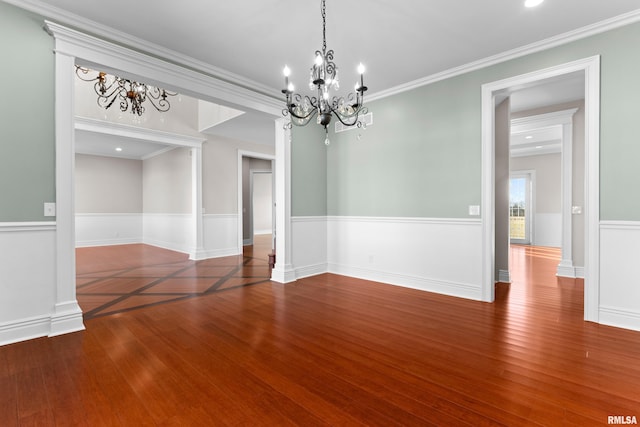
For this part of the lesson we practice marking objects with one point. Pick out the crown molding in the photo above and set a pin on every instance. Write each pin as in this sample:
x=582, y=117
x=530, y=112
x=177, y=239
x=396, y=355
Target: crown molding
x=580, y=33
x=144, y=134
x=103, y=31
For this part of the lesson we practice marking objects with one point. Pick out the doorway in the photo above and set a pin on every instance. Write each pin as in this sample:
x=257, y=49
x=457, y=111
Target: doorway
x=520, y=207
x=256, y=197
x=492, y=94
x=261, y=203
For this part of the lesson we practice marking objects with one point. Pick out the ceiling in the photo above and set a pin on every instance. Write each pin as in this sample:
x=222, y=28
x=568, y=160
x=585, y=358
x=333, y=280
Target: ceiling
x=398, y=41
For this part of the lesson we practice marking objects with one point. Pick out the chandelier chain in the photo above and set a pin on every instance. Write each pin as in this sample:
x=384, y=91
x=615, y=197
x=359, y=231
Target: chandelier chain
x=324, y=27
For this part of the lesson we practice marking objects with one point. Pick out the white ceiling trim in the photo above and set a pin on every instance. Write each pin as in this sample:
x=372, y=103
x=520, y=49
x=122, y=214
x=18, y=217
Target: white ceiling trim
x=590, y=30
x=109, y=33
x=144, y=134
x=524, y=124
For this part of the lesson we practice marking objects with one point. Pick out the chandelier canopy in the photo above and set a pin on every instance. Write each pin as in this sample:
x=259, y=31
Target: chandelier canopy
x=128, y=92
x=324, y=78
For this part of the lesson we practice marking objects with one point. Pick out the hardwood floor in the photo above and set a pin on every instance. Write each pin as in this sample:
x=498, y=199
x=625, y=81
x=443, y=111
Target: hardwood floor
x=115, y=279
x=332, y=350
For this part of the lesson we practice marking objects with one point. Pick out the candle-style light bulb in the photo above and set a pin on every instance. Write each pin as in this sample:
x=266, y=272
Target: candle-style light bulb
x=286, y=71
x=290, y=87
x=361, y=72
x=319, y=60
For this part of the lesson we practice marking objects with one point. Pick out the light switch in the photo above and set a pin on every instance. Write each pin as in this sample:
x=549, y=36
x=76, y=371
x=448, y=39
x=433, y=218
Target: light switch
x=576, y=210
x=49, y=209
x=474, y=210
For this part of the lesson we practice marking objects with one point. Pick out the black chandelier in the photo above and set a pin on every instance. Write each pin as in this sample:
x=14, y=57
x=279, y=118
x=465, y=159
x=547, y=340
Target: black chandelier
x=129, y=92
x=324, y=78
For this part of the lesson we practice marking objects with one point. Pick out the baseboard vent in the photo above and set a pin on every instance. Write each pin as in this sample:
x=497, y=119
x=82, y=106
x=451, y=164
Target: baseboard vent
x=366, y=119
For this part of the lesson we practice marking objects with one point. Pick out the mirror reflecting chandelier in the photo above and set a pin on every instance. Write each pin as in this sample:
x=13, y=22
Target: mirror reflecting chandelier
x=323, y=78
x=128, y=92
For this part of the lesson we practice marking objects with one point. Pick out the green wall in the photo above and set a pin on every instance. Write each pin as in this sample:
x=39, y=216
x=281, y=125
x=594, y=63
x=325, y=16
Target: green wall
x=420, y=158
x=422, y=155
x=308, y=171
x=26, y=116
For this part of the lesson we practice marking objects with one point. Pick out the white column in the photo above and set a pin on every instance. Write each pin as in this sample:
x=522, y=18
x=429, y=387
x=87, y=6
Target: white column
x=283, y=271
x=566, y=267
x=67, y=315
x=592, y=191
x=197, y=252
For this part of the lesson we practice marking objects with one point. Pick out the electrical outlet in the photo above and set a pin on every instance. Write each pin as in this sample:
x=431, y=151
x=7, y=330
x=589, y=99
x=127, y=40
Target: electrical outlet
x=49, y=209
x=474, y=210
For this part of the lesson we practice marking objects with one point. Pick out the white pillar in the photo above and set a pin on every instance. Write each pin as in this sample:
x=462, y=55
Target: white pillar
x=566, y=267
x=197, y=251
x=283, y=271
x=67, y=315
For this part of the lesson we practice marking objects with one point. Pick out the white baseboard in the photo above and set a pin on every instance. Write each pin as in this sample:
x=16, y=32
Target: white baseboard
x=24, y=329
x=566, y=269
x=621, y=318
x=504, y=276
x=311, y=270
x=66, y=318
x=461, y=290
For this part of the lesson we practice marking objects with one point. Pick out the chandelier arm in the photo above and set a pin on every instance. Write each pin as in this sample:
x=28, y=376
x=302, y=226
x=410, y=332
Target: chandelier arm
x=340, y=118
x=124, y=101
x=291, y=107
x=300, y=120
x=81, y=72
x=158, y=98
x=162, y=104
x=100, y=88
x=106, y=100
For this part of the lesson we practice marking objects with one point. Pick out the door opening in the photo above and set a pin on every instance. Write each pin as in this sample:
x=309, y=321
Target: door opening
x=520, y=211
x=492, y=94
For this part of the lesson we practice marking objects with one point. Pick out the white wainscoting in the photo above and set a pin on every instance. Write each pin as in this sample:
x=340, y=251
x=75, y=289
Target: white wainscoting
x=309, y=245
x=619, y=284
x=435, y=255
x=221, y=235
x=103, y=229
x=547, y=230
x=27, y=280
x=169, y=231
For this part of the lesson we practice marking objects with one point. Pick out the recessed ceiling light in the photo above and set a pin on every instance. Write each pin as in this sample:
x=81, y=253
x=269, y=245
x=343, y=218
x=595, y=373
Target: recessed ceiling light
x=532, y=3
x=538, y=146
x=118, y=148
x=528, y=137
